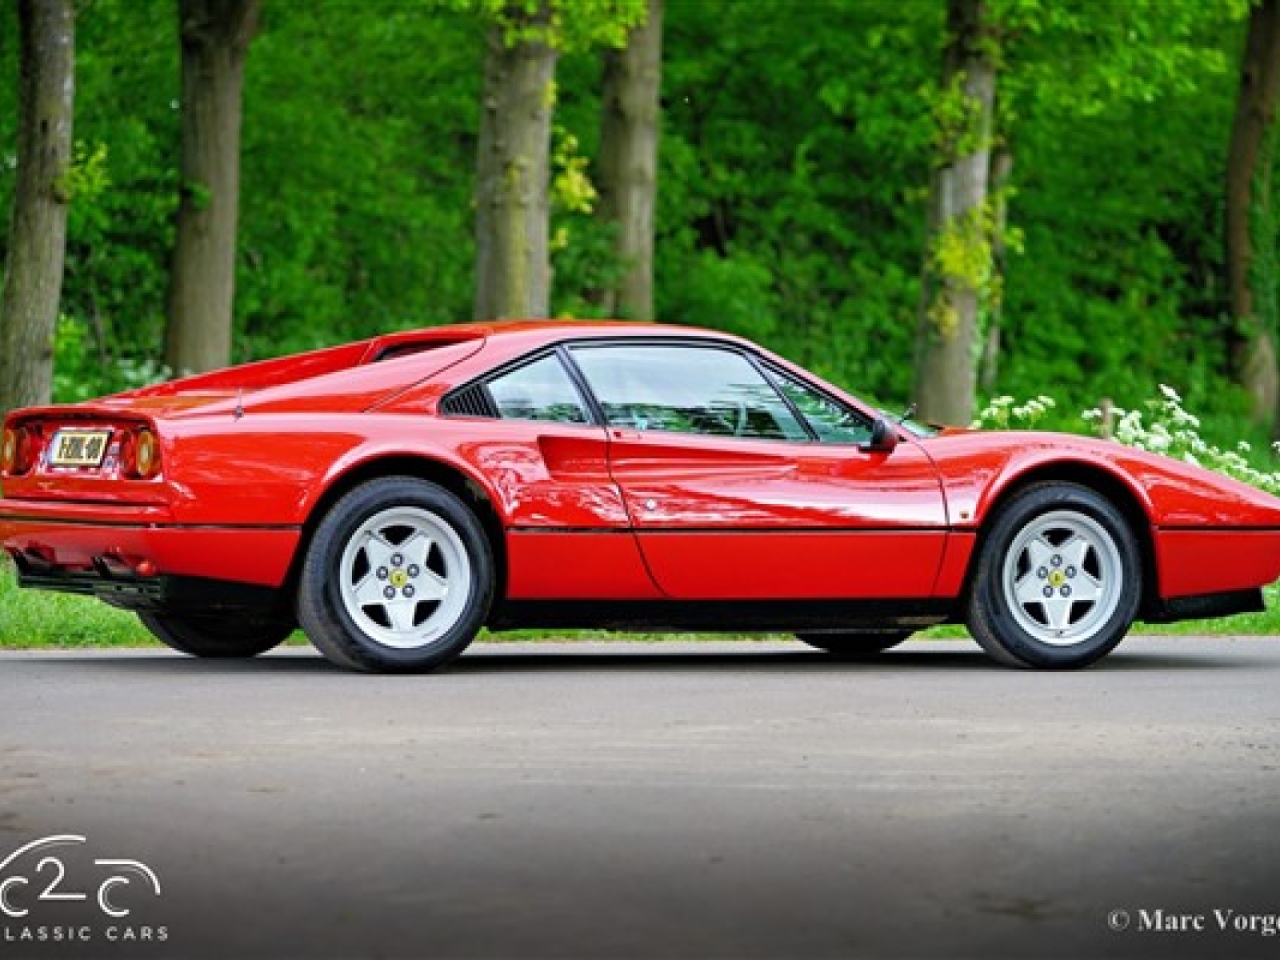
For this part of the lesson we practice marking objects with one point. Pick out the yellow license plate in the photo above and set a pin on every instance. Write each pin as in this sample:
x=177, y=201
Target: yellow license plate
x=79, y=448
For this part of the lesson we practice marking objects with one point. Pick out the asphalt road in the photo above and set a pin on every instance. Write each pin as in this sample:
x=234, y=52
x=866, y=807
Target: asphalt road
x=646, y=800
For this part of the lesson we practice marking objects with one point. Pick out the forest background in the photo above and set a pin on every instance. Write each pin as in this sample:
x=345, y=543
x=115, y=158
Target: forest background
x=798, y=143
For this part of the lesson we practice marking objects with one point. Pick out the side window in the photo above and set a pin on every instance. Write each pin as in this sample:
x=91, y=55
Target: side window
x=540, y=390
x=691, y=389
x=831, y=421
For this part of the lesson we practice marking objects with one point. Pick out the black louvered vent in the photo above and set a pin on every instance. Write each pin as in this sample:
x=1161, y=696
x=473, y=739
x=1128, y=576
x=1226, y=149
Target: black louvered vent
x=472, y=401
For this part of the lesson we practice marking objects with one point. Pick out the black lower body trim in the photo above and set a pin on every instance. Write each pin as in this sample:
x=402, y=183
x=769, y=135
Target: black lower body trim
x=1206, y=605
x=721, y=616
x=166, y=594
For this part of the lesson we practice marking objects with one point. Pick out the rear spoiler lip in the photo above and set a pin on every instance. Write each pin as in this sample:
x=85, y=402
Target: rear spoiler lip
x=88, y=411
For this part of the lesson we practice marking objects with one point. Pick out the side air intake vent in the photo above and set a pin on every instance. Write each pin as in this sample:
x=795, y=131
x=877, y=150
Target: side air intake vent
x=472, y=401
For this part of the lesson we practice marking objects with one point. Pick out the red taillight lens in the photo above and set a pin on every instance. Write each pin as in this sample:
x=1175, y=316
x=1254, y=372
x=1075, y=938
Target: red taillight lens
x=147, y=454
x=18, y=448
x=140, y=454
x=8, y=450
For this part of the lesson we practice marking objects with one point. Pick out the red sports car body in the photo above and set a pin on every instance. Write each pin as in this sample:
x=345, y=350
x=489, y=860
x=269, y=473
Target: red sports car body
x=395, y=495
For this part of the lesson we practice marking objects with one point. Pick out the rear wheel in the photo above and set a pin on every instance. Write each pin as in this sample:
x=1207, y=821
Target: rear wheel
x=216, y=637
x=398, y=578
x=855, y=643
x=1058, y=581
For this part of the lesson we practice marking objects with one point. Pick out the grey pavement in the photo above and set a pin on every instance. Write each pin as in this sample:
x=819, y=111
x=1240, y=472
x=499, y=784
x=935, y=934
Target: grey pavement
x=629, y=800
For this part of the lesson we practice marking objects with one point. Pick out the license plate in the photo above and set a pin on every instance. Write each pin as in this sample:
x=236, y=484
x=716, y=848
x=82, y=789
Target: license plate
x=79, y=448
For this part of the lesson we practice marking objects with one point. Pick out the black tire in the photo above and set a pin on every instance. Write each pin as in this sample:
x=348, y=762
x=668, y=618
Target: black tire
x=1067, y=543
x=855, y=644
x=366, y=547
x=216, y=637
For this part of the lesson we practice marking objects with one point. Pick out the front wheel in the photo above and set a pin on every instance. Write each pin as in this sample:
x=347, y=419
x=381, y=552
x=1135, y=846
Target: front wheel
x=216, y=637
x=398, y=578
x=1058, y=581
x=855, y=644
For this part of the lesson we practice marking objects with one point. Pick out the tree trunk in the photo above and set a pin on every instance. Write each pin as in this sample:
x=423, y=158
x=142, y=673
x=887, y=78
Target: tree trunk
x=38, y=229
x=513, y=267
x=628, y=178
x=1001, y=173
x=1250, y=284
x=215, y=36
x=952, y=288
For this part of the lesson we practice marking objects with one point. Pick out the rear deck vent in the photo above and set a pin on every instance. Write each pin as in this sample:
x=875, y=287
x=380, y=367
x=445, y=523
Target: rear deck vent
x=472, y=401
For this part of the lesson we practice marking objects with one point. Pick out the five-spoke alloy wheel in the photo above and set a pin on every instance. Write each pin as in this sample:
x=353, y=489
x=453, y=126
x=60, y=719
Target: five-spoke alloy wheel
x=1058, y=580
x=398, y=577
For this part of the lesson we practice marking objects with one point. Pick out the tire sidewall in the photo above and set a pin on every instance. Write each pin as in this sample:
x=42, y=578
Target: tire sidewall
x=322, y=612
x=992, y=621
x=216, y=638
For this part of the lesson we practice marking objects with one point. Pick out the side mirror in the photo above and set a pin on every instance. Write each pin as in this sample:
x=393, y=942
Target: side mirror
x=884, y=437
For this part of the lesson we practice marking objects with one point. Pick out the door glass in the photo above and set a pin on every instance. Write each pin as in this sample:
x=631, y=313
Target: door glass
x=540, y=390
x=831, y=421
x=702, y=390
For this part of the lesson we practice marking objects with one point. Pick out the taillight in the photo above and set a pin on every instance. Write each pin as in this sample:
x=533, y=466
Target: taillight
x=8, y=450
x=18, y=450
x=140, y=454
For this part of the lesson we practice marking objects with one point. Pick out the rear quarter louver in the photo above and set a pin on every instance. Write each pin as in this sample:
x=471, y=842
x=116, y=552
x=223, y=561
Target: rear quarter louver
x=472, y=401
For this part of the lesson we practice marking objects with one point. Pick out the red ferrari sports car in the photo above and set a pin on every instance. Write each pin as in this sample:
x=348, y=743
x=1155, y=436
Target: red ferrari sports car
x=395, y=495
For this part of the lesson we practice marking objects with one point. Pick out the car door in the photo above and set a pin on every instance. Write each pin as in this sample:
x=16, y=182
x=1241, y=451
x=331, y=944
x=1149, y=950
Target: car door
x=569, y=534
x=733, y=495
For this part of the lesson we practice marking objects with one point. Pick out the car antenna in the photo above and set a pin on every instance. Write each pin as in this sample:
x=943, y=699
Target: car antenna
x=908, y=413
x=239, y=412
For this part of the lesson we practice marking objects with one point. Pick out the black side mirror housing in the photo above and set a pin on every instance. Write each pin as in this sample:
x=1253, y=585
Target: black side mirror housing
x=884, y=437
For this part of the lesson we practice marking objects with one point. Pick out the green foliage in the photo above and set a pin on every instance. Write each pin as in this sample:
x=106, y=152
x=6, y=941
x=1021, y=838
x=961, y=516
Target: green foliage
x=571, y=187
x=197, y=193
x=1076, y=56
x=567, y=24
x=86, y=177
x=790, y=169
x=959, y=125
x=356, y=204
x=794, y=163
x=82, y=369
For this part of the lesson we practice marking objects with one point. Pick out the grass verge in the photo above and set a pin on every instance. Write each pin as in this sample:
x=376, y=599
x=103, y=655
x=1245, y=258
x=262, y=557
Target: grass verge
x=36, y=619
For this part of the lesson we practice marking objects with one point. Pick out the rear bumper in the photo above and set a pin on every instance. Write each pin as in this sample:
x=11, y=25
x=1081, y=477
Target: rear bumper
x=180, y=595
x=48, y=540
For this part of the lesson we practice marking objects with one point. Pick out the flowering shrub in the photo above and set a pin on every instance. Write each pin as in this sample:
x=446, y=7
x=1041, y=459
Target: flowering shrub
x=1167, y=428
x=1005, y=413
x=1164, y=427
